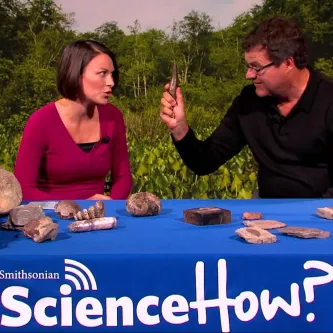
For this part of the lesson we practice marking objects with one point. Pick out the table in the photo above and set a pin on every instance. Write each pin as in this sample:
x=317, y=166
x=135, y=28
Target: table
x=161, y=274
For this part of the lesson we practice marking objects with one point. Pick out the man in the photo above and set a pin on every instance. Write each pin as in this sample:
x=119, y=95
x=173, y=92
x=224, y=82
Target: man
x=285, y=117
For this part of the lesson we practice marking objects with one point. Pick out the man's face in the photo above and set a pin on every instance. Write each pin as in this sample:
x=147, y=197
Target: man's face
x=266, y=77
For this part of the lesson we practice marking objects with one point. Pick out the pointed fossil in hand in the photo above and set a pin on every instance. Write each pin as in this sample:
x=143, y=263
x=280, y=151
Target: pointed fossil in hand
x=256, y=235
x=174, y=81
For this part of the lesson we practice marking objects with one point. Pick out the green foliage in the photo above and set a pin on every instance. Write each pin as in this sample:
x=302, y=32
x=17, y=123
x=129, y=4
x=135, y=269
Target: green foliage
x=158, y=168
x=211, y=73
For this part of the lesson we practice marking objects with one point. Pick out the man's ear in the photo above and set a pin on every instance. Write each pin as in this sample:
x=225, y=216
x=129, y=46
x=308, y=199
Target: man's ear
x=289, y=64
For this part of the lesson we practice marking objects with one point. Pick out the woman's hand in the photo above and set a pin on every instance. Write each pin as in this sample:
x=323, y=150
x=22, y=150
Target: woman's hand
x=99, y=197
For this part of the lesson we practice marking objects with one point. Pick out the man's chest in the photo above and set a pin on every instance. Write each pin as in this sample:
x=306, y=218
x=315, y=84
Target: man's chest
x=301, y=136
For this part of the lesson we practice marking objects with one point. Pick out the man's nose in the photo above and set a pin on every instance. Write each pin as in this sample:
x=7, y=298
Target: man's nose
x=250, y=74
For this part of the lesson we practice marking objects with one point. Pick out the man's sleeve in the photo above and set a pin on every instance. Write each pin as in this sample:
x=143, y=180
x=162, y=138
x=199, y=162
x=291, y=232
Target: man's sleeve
x=227, y=140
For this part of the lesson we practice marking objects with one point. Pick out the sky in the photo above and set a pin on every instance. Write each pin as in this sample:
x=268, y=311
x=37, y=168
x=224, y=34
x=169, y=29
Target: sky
x=159, y=14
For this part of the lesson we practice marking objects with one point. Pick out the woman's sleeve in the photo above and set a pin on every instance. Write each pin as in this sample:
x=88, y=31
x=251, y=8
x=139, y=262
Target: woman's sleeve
x=122, y=181
x=30, y=154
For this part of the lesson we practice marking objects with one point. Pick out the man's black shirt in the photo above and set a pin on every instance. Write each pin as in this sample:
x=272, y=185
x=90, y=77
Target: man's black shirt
x=294, y=153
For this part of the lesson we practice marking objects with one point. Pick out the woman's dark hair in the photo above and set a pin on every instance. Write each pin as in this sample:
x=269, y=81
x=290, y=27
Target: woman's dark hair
x=74, y=59
x=282, y=39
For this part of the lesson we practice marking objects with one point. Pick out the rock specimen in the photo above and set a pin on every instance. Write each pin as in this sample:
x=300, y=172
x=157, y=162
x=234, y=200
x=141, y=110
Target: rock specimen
x=325, y=212
x=303, y=232
x=10, y=191
x=265, y=224
x=21, y=215
x=256, y=235
x=207, y=216
x=143, y=204
x=92, y=212
x=93, y=224
x=41, y=230
x=252, y=216
x=66, y=209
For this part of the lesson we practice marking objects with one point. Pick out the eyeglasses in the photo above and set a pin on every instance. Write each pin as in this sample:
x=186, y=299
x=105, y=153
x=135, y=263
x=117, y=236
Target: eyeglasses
x=258, y=69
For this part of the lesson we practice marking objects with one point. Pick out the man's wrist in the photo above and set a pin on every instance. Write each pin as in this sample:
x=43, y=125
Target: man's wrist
x=180, y=131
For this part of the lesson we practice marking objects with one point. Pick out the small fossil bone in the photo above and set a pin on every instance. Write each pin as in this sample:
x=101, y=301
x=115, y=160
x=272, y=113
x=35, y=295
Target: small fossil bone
x=66, y=209
x=93, y=224
x=92, y=212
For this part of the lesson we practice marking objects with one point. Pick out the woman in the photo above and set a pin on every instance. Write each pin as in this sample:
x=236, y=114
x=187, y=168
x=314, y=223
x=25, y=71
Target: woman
x=69, y=146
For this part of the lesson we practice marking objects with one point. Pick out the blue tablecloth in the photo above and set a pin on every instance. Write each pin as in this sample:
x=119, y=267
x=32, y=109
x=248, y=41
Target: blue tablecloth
x=159, y=274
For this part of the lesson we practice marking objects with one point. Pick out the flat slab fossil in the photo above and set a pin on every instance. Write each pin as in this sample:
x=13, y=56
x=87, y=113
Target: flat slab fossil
x=265, y=224
x=252, y=216
x=325, y=212
x=255, y=235
x=304, y=232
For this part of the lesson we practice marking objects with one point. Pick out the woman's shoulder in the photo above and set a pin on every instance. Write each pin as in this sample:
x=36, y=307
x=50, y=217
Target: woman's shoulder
x=110, y=111
x=43, y=113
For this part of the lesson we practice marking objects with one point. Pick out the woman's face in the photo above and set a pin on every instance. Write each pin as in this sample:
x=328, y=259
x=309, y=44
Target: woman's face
x=97, y=80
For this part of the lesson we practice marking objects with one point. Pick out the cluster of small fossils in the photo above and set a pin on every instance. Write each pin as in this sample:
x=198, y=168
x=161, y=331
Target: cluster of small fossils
x=32, y=221
x=256, y=230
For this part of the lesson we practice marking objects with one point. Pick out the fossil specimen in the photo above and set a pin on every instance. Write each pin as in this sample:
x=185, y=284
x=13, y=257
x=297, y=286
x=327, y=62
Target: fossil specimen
x=143, y=204
x=10, y=191
x=66, y=209
x=207, y=216
x=304, y=232
x=256, y=235
x=102, y=223
x=325, y=212
x=252, y=216
x=92, y=212
x=174, y=81
x=21, y=215
x=265, y=224
x=41, y=230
